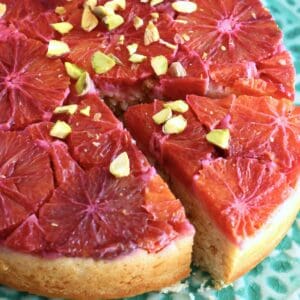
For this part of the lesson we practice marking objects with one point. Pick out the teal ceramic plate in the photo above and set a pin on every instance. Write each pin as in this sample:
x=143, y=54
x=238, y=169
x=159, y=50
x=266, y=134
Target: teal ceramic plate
x=278, y=276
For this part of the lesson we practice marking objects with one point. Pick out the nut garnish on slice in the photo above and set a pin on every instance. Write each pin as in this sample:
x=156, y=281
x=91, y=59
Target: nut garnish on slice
x=151, y=34
x=176, y=69
x=73, y=70
x=137, y=58
x=57, y=48
x=66, y=109
x=62, y=27
x=219, y=137
x=175, y=125
x=162, y=116
x=88, y=20
x=120, y=166
x=84, y=84
x=102, y=63
x=186, y=7
x=159, y=64
x=2, y=9
x=60, y=130
x=178, y=106
x=86, y=111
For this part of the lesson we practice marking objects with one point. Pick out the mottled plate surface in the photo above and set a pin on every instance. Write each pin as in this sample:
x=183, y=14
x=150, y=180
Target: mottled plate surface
x=278, y=276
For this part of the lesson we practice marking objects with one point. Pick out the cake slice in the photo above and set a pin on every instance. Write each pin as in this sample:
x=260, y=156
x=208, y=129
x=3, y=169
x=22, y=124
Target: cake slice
x=83, y=214
x=234, y=163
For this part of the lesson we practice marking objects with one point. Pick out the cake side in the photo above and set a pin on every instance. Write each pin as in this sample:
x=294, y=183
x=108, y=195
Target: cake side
x=85, y=278
x=214, y=253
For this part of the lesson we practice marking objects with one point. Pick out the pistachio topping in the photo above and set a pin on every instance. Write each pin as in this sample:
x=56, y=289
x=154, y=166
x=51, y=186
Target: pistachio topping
x=90, y=3
x=60, y=10
x=151, y=34
x=185, y=7
x=121, y=39
x=57, y=48
x=2, y=9
x=102, y=63
x=115, y=4
x=66, y=109
x=137, y=22
x=162, y=116
x=167, y=44
x=175, y=125
x=120, y=166
x=155, y=15
x=113, y=21
x=137, y=58
x=156, y=2
x=178, y=106
x=73, y=70
x=62, y=27
x=176, y=69
x=132, y=48
x=102, y=11
x=219, y=137
x=60, y=130
x=86, y=111
x=84, y=84
x=88, y=20
x=159, y=64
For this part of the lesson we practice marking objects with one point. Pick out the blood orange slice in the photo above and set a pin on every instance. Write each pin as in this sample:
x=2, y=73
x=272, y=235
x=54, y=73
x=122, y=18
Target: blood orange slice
x=97, y=215
x=30, y=18
x=31, y=84
x=25, y=178
x=64, y=165
x=195, y=80
x=28, y=237
x=98, y=138
x=240, y=194
x=266, y=128
x=231, y=31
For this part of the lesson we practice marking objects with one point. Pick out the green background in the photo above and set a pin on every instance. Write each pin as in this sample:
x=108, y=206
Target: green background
x=278, y=276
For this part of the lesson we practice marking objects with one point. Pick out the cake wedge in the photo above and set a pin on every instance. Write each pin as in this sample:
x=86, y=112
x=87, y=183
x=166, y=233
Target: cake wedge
x=234, y=163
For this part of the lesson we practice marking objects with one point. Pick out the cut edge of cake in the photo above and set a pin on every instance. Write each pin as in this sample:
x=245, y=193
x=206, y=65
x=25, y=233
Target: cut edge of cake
x=85, y=278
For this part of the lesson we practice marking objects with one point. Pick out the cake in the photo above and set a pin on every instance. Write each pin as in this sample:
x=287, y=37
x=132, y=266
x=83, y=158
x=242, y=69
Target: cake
x=234, y=163
x=83, y=214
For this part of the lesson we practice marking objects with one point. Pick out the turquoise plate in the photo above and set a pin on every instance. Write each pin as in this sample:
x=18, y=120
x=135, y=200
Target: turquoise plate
x=278, y=276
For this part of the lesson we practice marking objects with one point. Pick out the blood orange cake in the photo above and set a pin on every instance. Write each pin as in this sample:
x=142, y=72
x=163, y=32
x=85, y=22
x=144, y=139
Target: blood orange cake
x=82, y=213
x=234, y=162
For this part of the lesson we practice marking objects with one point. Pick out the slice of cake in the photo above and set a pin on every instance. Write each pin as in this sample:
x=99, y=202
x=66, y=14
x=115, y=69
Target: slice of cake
x=83, y=214
x=234, y=163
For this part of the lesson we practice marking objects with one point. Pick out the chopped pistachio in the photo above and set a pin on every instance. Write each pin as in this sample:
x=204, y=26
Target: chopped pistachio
x=121, y=39
x=62, y=27
x=60, y=10
x=73, y=70
x=115, y=4
x=113, y=21
x=115, y=58
x=162, y=116
x=176, y=69
x=120, y=166
x=219, y=137
x=84, y=84
x=167, y=44
x=175, y=125
x=2, y=9
x=156, y=2
x=66, y=109
x=132, y=48
x=90, y=3
x=155, y=15
x=137, y=22
x=88, y=20
x=86, y=111
x=186, y=37
x=60, y=130
x=57, y=48
x=102, y=11
x=151, y=34
x=186, y=7
x=178, y=106
x=102, y=63
x=223, y=48
x=159, y=64
x=137, y=58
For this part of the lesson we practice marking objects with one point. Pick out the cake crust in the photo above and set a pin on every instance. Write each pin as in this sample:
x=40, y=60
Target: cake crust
x=78, y=278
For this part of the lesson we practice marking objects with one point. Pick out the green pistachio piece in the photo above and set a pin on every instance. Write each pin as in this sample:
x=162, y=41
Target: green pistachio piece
x=60, y=130
x=162, y=116
x=219, y=137
x=66, y=109
x=102, y=63
x=3, y=9
x=73, y=70
x=176, y=69
x=178, y=106
x=132, y=48
x=159, y=64
x=137, y=22
x=137, y=58
x=62, y=27
x=84, y=84
x=120, y=166
x=151, y=34
x=185, y=7
x=86, y=111
x=175, y=125
x=88, y=20
x=57, y=48
x=113, y=21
